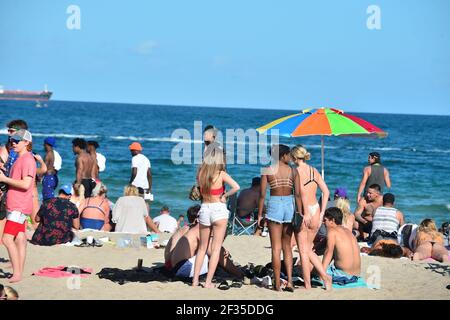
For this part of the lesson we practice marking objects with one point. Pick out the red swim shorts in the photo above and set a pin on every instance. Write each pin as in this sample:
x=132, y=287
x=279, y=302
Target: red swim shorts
x=14, y=228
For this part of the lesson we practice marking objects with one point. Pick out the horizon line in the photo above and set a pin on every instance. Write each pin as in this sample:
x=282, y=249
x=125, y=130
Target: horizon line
x=249, y=107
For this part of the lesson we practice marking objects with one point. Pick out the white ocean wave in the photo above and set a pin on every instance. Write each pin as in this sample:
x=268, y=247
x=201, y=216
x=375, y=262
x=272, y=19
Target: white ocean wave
x=439, y=151
x=161, y=139
x=56, y=135
x=448, y=206
x=387, y=149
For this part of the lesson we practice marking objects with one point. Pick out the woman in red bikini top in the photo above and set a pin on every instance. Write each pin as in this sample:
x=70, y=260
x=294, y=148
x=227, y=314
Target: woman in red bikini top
x=213, y=214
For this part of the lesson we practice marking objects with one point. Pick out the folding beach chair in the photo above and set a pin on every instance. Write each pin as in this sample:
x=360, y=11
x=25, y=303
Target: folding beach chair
x=239, y=226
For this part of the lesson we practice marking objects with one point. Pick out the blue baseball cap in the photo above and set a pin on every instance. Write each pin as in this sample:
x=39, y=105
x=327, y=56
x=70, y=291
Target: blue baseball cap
x=67, y=189
x=51, y=141
x=341, y=193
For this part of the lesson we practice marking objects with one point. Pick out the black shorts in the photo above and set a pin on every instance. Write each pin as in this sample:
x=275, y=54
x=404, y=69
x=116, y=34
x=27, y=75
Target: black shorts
x=89, y=185
x=367, y=228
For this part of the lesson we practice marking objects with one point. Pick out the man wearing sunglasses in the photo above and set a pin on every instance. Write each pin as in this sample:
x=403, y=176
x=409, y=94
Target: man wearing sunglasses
x=7, y=158
x=19, y=202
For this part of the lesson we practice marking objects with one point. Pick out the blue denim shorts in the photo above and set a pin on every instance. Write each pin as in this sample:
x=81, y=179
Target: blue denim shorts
x=280, y=209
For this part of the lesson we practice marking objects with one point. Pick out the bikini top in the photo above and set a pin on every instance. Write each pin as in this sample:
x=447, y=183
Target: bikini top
x=282, y=182
x=311, y=177
x=94, y=207
x=215, y=192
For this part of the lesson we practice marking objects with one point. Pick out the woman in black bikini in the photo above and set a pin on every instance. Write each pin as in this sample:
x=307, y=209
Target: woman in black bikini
x=310, y=181
x=430, y=243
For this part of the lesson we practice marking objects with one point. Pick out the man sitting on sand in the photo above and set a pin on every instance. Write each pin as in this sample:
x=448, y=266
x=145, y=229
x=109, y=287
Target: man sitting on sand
x=341, y=246
x=56, y=218
x=366, y=209
x=181, y=255
x=165, y=222
x=386, y=220
x=247, y=202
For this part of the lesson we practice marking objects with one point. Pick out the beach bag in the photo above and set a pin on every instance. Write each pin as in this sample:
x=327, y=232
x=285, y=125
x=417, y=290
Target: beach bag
x=297, y=218
x=3, y=207
x=297, y=221
x=195, y=194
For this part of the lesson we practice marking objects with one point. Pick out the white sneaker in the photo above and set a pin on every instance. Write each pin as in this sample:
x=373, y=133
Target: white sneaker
x=265, y=233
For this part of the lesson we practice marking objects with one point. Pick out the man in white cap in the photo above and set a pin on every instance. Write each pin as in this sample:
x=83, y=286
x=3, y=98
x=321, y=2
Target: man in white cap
x=19, y=201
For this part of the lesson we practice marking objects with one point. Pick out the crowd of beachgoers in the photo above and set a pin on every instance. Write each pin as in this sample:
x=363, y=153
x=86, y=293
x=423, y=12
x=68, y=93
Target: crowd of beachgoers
x=290, y=202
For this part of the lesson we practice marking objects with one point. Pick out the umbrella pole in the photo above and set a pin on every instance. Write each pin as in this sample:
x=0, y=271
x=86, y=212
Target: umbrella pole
x=323, y=155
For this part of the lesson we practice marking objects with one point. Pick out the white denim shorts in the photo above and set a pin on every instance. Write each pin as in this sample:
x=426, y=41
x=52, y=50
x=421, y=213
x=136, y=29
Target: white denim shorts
x=212, y=212
x=187, y=269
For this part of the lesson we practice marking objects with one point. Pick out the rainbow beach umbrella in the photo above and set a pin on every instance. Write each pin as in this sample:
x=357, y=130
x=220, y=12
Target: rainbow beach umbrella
x=322, y=122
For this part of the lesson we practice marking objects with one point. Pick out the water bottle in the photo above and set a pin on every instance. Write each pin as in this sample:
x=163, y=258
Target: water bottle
x=149, y=242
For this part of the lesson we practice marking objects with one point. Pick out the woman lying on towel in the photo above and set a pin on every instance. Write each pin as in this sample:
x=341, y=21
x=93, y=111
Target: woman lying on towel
x=430, y=243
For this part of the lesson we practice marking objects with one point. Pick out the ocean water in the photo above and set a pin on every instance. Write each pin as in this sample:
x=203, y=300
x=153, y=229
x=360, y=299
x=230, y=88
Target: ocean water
x=416, y=151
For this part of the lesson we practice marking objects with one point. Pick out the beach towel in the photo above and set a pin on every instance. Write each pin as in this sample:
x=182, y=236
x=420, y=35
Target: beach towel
x=63, y=272
x=123, y=276
x=343, y=280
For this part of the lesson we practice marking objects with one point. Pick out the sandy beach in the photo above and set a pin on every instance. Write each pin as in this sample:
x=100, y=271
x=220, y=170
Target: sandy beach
x=399, y=278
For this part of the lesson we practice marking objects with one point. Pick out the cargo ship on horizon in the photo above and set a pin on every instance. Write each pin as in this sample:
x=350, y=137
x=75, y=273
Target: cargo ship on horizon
x=25, y=95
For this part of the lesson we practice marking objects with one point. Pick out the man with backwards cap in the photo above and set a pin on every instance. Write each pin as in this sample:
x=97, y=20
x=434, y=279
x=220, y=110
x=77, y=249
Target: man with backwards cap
x=53, y=162
x=374, y=173
x=141, y=173
x=19, y=201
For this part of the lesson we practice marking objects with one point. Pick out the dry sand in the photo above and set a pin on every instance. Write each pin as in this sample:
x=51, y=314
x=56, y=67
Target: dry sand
x=399, y=279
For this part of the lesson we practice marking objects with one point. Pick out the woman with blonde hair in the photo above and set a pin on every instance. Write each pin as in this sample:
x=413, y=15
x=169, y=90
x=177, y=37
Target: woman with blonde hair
x=130, y=213
x=310, y=181
x=94, y=211
x=348, y=219
x=77, y=196
x=213, y=214
x=429, y=243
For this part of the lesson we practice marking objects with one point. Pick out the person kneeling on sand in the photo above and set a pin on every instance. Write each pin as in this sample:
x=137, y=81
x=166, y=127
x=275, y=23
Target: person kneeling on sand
x=180, y=258
x=341, y=246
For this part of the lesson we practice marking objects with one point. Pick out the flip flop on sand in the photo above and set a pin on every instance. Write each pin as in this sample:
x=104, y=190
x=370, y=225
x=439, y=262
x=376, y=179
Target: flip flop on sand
x=236, y=284
x=223, y=286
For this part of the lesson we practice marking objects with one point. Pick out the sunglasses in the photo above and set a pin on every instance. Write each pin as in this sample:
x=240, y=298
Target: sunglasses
x=14, y=141
x=207, y=143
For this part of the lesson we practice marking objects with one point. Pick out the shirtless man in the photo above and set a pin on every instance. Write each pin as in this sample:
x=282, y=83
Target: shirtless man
x=192, y=214
x=180, y=258
x=341, y=246
x=85, y=166
x=100, y=159
x=366, y=209
x=247, y=202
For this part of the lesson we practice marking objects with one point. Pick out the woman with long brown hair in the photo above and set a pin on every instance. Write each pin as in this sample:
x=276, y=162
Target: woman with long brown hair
x=213, y=214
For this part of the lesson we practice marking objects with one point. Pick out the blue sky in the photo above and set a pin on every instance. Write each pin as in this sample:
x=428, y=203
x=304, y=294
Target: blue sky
x=288, y=54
